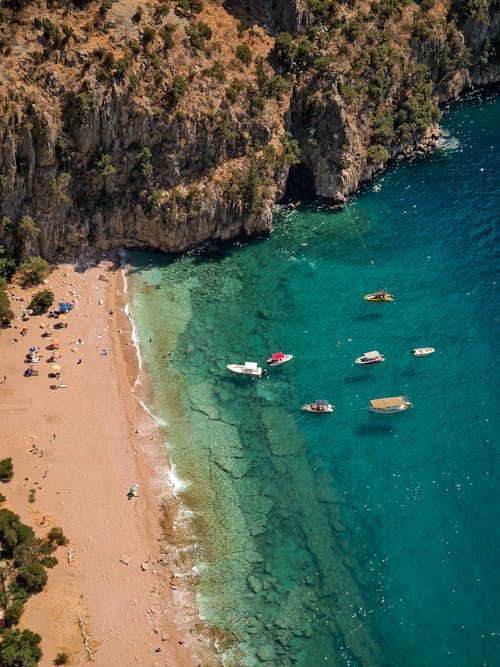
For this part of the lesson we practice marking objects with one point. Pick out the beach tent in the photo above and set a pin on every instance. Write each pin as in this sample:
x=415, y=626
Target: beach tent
x=64, y=306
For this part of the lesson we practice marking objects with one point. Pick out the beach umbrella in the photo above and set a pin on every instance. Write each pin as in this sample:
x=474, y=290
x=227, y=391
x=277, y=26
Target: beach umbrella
x=53, y=341
x=63, y=318
x=56, y=368
x=29, y=311
x=32, y=349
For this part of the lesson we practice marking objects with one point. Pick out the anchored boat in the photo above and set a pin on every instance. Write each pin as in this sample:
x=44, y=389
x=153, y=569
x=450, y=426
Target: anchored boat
x=381, y=295
x=388, y=405
x=373, y=357
x=248, y=368
x=422, y=351
x=319, y=406
x=279, y=358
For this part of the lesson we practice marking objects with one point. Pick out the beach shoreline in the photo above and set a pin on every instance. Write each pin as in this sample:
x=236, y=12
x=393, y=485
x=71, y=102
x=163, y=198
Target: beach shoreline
x=81, y=447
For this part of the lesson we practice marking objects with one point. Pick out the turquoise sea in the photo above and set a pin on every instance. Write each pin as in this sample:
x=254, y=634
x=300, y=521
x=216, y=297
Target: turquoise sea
x=354, y=538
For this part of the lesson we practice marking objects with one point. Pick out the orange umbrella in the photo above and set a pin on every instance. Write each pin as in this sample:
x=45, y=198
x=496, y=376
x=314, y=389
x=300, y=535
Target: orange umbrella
x=53, y=341
x=63, y=318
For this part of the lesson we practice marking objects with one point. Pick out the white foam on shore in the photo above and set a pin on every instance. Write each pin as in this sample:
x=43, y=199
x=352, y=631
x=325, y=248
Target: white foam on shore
x=128, y=315
x=178, y=484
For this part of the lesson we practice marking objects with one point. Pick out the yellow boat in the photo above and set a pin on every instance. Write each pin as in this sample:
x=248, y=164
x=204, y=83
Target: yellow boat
x=388, y=405
x=381, y=295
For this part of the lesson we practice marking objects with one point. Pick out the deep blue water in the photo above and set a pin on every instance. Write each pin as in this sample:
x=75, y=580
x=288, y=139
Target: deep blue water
x=352, y=538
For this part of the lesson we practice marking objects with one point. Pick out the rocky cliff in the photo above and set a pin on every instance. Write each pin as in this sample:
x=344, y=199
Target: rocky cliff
x=171, y=123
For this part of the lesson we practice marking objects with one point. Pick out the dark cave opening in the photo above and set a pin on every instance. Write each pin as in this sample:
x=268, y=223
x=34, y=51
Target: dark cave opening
x=299, y=185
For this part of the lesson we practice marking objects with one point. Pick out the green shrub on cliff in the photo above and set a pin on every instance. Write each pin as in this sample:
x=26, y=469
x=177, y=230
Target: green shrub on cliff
x=85, y=104
x=177, y=89
x=103, y=164
x=198, y=34
x=194, y=6
x=285, y=50
x=244, y=53
x=377, y=153
x=250, y=189
x=232, y=92
x=291, y=149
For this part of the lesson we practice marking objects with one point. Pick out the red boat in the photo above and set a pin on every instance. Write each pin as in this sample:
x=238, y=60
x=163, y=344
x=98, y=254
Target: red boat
x=279, y=358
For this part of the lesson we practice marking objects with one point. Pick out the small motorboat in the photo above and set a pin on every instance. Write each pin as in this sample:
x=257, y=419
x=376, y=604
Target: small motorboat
x=422, y=351
x=381, y=295
x=319, y=406
x=388, y=405
x=279, y=358
x=372, y=357
x=248, y=368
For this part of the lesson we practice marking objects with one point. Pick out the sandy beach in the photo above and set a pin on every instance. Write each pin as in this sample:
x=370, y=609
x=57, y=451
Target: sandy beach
x=81, y=447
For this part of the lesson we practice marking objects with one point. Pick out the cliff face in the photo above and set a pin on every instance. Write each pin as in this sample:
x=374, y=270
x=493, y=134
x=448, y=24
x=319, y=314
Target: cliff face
x=171, y=125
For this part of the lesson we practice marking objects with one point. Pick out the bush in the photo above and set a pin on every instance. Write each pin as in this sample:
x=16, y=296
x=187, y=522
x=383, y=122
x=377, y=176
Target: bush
x=103, y=164
x=32, y=577
x=56, y=535
x=148, y=35
x=237, y=85
x=244, y=53
x=13, y=533
x=20, y=648
x=198, y=34
x=61, y=659
x=137, y=16
x=13, y=613
x=34, y=270
x=377, y=153
x=6, y=314
x=168, y=35
x=285, y=50
x=194, y=6
x=41, y=302
x=177, y=89
x=85, y=105
x=6, y=470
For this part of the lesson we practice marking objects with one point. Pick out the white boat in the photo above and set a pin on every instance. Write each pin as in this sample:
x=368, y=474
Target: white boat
x=278, y=358
x=373, y=357
x=248, y=368
x=388, y=405
x=422, y=351
x=319, y=406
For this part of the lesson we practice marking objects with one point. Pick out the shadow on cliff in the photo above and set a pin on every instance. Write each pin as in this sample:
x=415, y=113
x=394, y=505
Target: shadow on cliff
x=248, y=13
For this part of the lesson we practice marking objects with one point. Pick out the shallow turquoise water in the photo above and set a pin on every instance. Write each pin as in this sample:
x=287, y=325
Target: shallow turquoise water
x=352, y=538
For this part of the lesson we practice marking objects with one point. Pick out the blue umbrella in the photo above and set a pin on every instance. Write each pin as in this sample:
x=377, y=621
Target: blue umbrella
x=32, y=349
